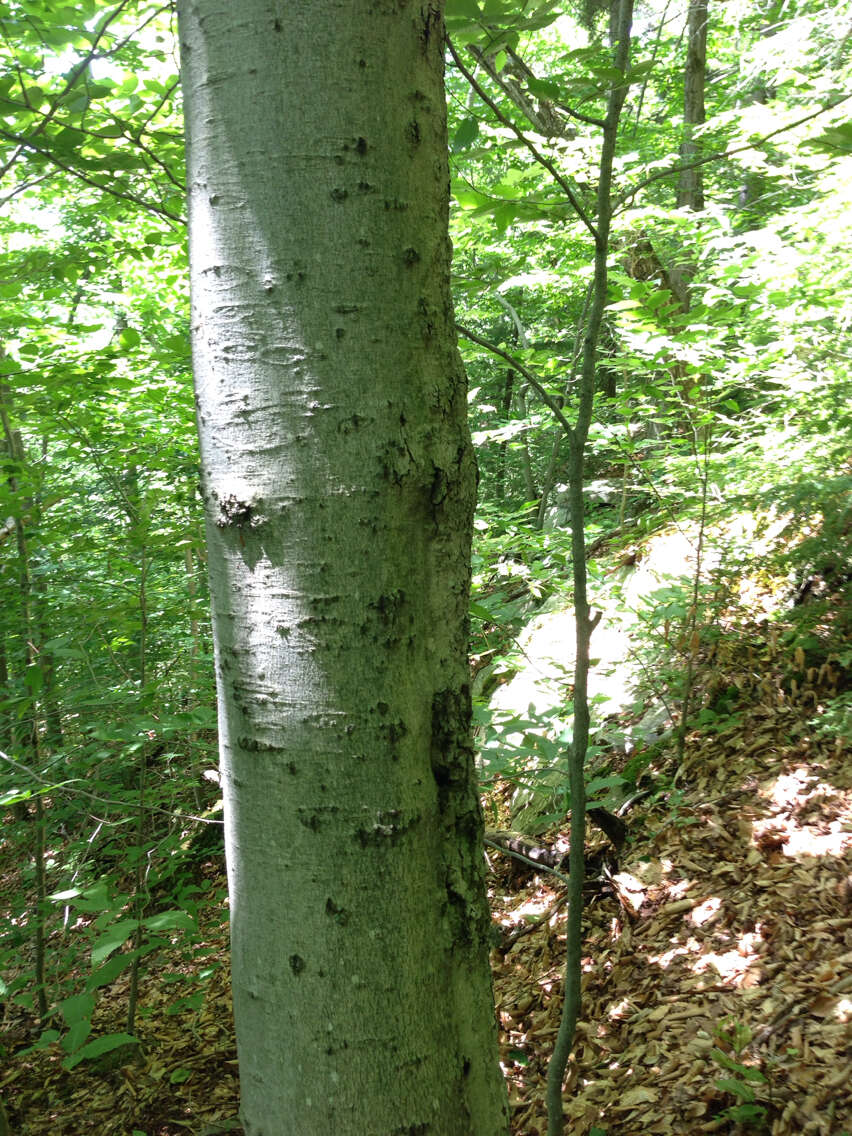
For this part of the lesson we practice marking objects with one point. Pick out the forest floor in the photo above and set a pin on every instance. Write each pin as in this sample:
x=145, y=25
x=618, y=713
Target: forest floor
x=717, y=979
x=717, y=970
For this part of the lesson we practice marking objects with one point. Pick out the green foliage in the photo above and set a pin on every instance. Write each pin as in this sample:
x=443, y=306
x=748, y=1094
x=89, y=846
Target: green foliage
x=744, y=1081
x=723, y=381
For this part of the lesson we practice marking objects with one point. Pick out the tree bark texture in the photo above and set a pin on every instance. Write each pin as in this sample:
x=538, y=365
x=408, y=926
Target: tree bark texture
x=339, y=485
x=690, y=189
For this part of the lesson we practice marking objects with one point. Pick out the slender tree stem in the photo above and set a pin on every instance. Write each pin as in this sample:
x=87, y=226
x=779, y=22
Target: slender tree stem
x=692, y=622
x=584, y=624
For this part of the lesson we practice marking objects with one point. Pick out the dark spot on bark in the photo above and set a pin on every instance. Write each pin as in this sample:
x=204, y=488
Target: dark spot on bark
x=339, y=194
x=338, y=161
x=466, y=1067
x=234, y=511
x=412, y=133
x=393, y=204
x=426, y=321
x=430, y=29
x=396, y=731
x=410, y=256
x=276, y=25
x=440, y=484
x=292, y=768
x=441, y=773
x=365, y=187
x=450, y=734
x=297, y=963
x=354, y=422
x=256, y=745
x=312, y=818
x=361, y=144
x=382, y=707
x=339, y=914
x=339, y=332
x=389, y=605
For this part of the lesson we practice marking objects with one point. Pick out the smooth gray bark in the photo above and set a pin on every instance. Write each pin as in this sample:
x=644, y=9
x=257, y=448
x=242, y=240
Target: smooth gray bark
x=339, y=484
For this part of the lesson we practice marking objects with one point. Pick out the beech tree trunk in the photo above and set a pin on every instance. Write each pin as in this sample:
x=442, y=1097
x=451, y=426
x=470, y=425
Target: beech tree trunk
x=339, y=485
x=690, y=189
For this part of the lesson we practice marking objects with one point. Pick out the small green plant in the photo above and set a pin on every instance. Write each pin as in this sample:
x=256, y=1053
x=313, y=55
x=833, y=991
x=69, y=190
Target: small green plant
x=733, y=1038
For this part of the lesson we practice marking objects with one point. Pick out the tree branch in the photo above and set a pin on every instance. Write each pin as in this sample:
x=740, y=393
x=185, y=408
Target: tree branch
x=525, y=371
x=720, y=155
x=526, y=71
x=539, y=157
x=73, y=76
x=542, y=120
x=28, y=144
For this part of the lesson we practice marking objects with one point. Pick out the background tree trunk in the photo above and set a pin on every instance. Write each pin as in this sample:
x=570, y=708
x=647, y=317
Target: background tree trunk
x=690, y=189
x=338, y=481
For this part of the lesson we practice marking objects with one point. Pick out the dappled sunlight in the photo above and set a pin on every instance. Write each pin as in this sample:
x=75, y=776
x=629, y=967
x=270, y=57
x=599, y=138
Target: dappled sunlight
x=724, y=939
x=706, y=911
x=808, y=817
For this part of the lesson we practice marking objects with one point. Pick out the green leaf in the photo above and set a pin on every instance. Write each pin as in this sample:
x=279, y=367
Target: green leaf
x=598, y=783
x=748, y=1114
x=115, y=937
x=167, y=920
x=15, y=795
x=177, y=343
x=129, y=337
x=481, y=612
x=98, y=1047
x=179, y=1076
x=46, y=1039
x=76, y=1035
x=607, y=74
x=466, y=133
x=109, y=971
x=837, y=139
x=77, y=1007
x=95, y=898
x=736, y=1088
x=544, y=88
